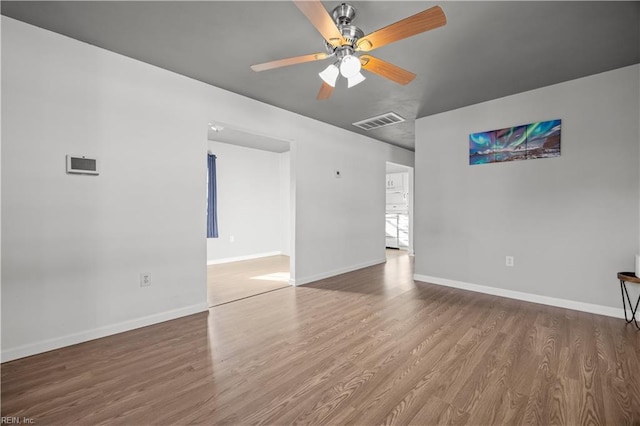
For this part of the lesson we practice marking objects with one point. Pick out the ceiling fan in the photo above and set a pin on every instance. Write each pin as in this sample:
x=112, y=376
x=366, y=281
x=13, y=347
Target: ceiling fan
x=343, y=40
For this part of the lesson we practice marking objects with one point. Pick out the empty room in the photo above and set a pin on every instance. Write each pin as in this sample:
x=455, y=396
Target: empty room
x=156, y=155
x=249, y=234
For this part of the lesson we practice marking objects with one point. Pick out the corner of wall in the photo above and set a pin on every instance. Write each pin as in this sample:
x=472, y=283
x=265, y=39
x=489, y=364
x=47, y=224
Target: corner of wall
x=554, y=215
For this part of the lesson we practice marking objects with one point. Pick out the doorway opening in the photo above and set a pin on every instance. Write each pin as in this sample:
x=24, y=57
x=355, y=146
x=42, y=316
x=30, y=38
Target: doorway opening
x=399, y=210
x=251, y=253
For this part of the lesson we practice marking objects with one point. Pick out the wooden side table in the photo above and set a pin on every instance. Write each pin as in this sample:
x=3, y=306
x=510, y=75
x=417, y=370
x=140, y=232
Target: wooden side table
x=628, y=277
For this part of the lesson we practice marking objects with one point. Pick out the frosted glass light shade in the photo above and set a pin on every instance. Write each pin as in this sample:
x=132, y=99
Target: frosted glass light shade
x=356, y=79
x=330, y=75
x=350, y=66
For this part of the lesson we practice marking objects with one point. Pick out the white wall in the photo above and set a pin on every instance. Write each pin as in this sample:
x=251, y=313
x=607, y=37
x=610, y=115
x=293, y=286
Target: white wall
x=571, y=222
x=340, y=221
x=285, y=203
x=249, y=203
x=412, y=213
x=73, y=246
x=0, y=189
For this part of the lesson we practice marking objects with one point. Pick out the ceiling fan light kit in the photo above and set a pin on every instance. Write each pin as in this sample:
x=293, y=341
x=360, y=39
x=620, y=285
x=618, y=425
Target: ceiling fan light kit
x=350, y=66
x=330, y=75
x=343, y=40
x=356, y=79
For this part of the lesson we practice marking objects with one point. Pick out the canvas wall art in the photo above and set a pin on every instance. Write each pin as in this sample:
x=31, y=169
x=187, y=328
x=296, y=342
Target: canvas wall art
x=525, y=142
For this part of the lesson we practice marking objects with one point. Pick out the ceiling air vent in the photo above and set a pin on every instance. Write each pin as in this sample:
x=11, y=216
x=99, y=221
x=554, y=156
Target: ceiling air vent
x=379, y=121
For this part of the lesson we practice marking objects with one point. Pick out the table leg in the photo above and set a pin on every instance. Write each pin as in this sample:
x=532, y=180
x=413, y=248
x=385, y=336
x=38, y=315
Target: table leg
x=624, y=291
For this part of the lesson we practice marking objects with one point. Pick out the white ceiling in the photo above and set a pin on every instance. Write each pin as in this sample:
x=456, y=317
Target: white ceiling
x=487, y=50
x=247, y=139
x=396, y=168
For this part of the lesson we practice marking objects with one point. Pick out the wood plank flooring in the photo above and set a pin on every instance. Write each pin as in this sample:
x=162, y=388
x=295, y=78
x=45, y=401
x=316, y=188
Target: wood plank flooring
x=227, y=282
x=369, y=347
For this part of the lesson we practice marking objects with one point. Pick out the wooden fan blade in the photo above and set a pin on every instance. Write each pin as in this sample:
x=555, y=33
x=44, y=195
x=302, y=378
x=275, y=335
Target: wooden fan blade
x=386, y=70
x=289, y=61
x=416, y=24
x=320, y=18
x=325, y=92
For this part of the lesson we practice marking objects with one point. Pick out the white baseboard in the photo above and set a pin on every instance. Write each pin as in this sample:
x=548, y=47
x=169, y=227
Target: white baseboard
x=239, y=258
x=527, y=297
x=96, y=333
x=317, y=277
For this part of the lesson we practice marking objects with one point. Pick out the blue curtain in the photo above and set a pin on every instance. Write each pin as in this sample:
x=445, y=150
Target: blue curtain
x=212, y=204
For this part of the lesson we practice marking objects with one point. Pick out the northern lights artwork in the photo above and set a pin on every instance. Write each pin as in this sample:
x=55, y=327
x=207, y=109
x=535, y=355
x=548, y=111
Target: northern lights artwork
x=526, y=142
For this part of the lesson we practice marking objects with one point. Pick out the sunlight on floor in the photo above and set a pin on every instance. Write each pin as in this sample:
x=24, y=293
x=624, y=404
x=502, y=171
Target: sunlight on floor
x=276, y=276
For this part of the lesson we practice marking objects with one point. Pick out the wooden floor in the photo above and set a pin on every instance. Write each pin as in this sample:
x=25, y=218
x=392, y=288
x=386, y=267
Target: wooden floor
x=227, y=282
x=369, y=347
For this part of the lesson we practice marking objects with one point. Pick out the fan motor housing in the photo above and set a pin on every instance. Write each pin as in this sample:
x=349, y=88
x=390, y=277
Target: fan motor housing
x=343, y=14
x=351, y=33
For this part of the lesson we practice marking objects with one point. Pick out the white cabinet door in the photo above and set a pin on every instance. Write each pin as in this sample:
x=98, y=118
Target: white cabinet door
x=395, y=182
x=396, y=198
x=390, y=183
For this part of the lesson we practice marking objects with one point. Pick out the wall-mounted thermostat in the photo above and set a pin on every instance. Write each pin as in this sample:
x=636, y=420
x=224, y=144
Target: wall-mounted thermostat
x=79, y=164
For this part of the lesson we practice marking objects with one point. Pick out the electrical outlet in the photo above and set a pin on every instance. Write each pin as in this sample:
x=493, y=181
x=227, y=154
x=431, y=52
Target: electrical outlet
x=509, y=260
x=232, y=239
x=145, y=279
